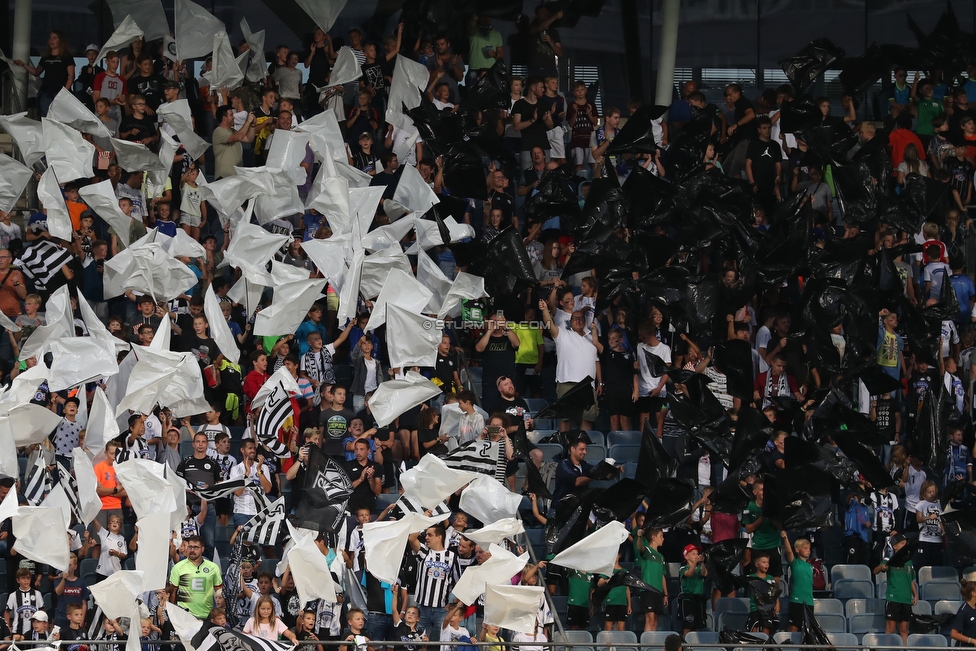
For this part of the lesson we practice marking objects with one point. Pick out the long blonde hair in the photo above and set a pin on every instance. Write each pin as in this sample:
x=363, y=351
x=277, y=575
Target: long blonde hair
x=265, y=599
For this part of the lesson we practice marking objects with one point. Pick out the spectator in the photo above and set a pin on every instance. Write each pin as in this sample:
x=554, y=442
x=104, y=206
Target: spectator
x=58, y=68
x=252, y=469
x=227, y=140
x=195, y=593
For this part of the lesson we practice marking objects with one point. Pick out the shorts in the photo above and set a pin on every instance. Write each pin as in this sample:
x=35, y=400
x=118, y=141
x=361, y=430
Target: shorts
x=591, y=414
x=615, y=614
x=895, y=612
x=775, y=560
x=618, y=404
x=652, y=602
x=796, y=615
x=760, y=620
x=651, y=404
x=557, y=146
x=554, y=574
x=578, y=616
x=691, y=611
x=193, y=221
x=582, y=156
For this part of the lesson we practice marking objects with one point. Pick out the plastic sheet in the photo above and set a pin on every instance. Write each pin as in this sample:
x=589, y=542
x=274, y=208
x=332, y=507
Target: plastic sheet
x=597, y=552
x=738, y=638
x=810, y=62
x=860, y=73
x=636, y=136
x=490, y=91
x=721, y=561
x=568, y=524
x=555, y=197
x=195, y=29
x=622, y=498
x=573, y=403
x=618, y=579
x=463, y=171
x=798, y=499
x=654, y=462
x=669, y=503
x=931, y=427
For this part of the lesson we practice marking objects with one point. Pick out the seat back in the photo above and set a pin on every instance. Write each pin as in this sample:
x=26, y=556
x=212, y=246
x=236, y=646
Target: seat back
x=844, y=571
x=881, y=639
x=828, y=607
x=624, y=437
x=624, y=453
x=700, y=637
x=937, y=573
x=922, y=608
x=606, y=640
x=596, y=438
x=937, y=591
x=947, y=606
x=573, y=637
x=842, y=641
x=927, y=639
x=868, y=623
x=864, y=606
x=655, y=638
x=833, y=623
x=853, y=589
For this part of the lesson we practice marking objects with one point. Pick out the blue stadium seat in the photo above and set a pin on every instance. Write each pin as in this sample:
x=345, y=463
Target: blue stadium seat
x=867, y=623
x=732, y=621
x=630, y=469
x=383, y=500
x=536, y=405
x=937, y=574
x=595, y=454
x=596, y=438
x=927, y=639
x=938, y=591
x=855, y=572
x=842, y=641
x=605, y=640
x=655, y=638
x=22, y=463
x=625, y=453
x=881, y=639
x=86, y=570
x=624, y=437
x=700, y=637
x=828, y=607
x=882, y=587
x=573, y=637
x=922, y=608
x=550, y=450
x=864, y=607
x=785, y=638
x=186, y=448
x=853, y=589
x=833, y=623
x=947, y=606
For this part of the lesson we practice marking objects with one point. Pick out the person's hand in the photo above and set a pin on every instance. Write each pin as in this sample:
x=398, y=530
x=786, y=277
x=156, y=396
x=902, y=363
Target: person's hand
x=599, y=390
x=542, y=306
x=559, y=14
x=456, y=60
x=547, y=39
x=782, y=534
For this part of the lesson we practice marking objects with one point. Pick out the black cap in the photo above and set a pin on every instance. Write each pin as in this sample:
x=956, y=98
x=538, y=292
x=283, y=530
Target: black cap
x=898, y=538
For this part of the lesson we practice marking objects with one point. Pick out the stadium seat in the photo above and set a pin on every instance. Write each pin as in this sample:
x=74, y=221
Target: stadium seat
x=536, y=405
x=700, y=637
x=625, y=453
x=939, y=591
x=853, y=572
x=46, y=597
x=550, y=450
x=882, y=587
x=573, y=637
x=130, y=563
x=864, y=607
x=655, y=638
x=785, y=638
x=881, y=639
x=947, y=607
x=624, y=437
x=732, y=621
x=833, y=623
x=630, y=469
x=383, y=500
x=606, y=640
x=927, y=639
x=853, y=589
x=922, y=608
x=937, y=574
x=559, y=604
x=22, y=463
x=867, y=623
x=843, y=641
x=224, y=533
x=674, y=568
x=595, y=454
x=730, y=606
x=186, y=449
x=596, y=438
x=828, y=607
x=86, y=570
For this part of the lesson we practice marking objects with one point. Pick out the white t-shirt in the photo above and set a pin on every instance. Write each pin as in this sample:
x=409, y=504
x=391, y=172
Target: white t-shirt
x=372, y=367
x=450, y=634
x=935, y=273
x=576, y=357
x=244, y=503
x=929, y=531
x=108, y=564
x=646, y=382
x=190, y=201
x=949, y=336
x=912, y=489
x=763, y=335
x=529, y=642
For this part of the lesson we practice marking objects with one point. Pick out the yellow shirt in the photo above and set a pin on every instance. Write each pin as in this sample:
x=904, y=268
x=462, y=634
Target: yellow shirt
x=530, y=341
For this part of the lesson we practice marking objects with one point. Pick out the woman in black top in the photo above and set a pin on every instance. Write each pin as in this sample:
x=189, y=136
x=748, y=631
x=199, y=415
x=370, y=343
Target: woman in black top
x=58, y=69
x=964, y=626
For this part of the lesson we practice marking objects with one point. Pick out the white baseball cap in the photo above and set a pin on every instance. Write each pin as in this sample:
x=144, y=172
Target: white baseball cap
x=40, y=616
x=92, y=46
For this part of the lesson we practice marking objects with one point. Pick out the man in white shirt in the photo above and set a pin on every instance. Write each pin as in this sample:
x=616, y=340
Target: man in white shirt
x=254, y=469
x=576, y=360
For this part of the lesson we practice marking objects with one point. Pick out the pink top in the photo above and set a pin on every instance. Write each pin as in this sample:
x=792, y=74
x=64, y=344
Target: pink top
x=265, y=630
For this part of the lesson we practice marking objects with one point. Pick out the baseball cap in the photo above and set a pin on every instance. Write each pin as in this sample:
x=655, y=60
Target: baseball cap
x=688, y=549
x=40, y=616
x=93, y=47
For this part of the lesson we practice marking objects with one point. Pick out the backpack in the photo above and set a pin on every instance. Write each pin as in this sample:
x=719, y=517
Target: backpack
x=819, y=576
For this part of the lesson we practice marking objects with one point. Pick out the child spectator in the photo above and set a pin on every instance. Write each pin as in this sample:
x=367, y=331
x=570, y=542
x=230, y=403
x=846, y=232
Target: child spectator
x=691, y=600
x=305, y=627
x=653, y=574
x=582, y=118
x=901, y=592
x=30, y=320
x=112, y=547
x=451, y=629
x=265, y=623
x=762, y=617
x=617, y=604
x=405, y=626
x=580, y=588
x=935, y=272
x=652, y=402
x=801, y=581
x=22, y=604
x=765, y=537
x=356, y=621
x=928, y=514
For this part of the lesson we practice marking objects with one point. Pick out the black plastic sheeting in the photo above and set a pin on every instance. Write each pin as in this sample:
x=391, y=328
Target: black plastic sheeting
x=810, y=62
x=722, y=559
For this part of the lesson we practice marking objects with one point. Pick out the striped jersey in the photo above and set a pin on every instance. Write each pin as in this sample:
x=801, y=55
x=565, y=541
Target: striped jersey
x=435, y=576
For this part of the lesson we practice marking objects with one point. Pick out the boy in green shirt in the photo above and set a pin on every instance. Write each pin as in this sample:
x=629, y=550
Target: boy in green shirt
x=763, y=617
x=765, y=536
x=691, y=601
x=578, y=602
x=901, y=593
x=617, y=603
x=653, y=574
x=801, y=580
x=924, y=108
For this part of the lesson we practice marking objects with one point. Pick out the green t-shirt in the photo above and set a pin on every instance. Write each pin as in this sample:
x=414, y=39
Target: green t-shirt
x=579, y=589
x=476, y=58
x=766, y=536
x=694, y=584
x=617, y=596
x=801, y=582
x=530, y=342
x=769, y=578
x=899, y=588
x=652, y=566
x=927, y=109
x=195, y=586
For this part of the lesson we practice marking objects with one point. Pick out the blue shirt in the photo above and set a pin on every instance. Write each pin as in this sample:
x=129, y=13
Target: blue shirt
x=965, y=290
x=970, y=88
x=301, y=335
x=957, y=456
x=566, y=474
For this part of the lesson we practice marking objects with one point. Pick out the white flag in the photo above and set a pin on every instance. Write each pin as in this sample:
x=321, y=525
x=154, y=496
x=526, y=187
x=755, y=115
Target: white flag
x=596, y=553
x=513, y=607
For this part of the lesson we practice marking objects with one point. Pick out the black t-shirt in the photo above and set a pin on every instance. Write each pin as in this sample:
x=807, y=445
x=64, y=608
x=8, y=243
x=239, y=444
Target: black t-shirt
x=86, y=80
x=957, y=116
x=426, y=436
x=516, y=408
x=747, y=130
x=151, y=87
x=291, y=607
x=403, y=633
x=362, y=496
x=204, y=350
x=373, y=76
x=535, y=134
x=409, y=567
x=498, y=358
x=444, y=369
x=318, y=72
x=764, y=156
x=618, y=372
x=55, y=72
x=375, y=595
x=198, y=473
x=142, y=128
x=541, y=54
x=335, y=424
x=505, y=202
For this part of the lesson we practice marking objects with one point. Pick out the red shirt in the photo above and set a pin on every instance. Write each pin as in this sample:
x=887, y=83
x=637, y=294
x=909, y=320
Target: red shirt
x=898, y=139
x=252, y=383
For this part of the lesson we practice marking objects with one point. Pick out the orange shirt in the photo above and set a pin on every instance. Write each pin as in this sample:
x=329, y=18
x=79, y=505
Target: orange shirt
x=75, y=208
x=105, y=474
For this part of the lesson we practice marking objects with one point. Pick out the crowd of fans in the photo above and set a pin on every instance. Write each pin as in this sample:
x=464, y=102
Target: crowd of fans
x=559, y=336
